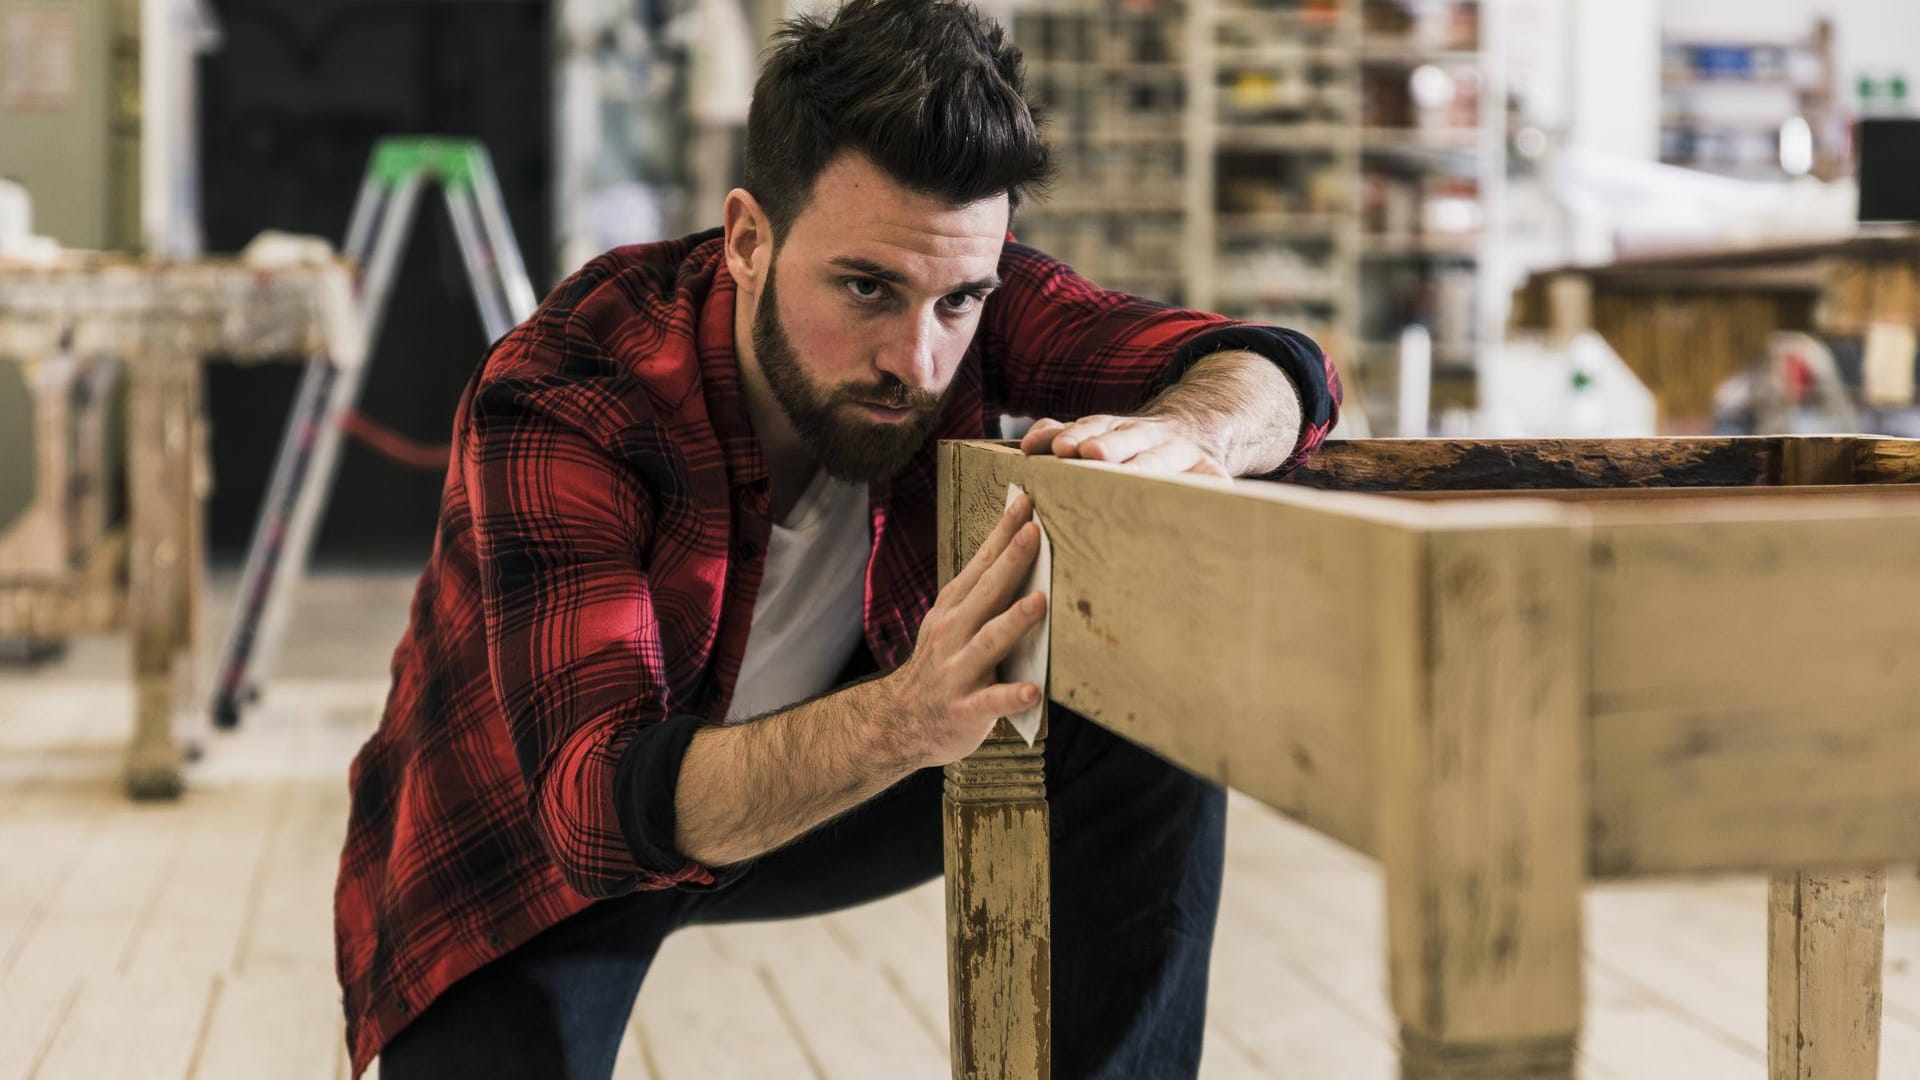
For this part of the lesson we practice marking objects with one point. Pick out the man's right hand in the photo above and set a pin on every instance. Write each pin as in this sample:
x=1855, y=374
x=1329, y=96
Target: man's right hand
x=944, y=700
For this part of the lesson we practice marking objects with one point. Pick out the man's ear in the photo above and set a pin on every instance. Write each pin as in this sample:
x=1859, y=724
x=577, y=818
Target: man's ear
x=749, y=239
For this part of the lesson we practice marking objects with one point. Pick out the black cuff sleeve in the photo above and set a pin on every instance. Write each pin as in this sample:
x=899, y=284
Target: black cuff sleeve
x=1293, y=352
x=644, y=786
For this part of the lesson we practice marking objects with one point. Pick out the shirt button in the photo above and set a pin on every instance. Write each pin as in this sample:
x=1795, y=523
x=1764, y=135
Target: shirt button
x=495, y=939
x=400, y=1003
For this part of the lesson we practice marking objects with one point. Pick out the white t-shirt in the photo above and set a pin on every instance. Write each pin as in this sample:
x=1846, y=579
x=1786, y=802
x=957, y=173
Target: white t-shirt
x=807, y=618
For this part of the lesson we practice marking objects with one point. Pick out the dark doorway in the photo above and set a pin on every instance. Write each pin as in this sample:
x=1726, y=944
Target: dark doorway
x=291, y=106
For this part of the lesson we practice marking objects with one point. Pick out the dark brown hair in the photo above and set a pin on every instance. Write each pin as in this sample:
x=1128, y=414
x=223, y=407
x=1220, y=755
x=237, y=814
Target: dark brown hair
x=930, y=90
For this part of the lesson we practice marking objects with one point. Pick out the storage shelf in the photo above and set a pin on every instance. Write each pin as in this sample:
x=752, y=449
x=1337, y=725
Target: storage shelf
x=1302, y=137
x=1270, y=117
x=1419, y=247
x=1448, y=139
x=1245, y=224
x=1382, y=52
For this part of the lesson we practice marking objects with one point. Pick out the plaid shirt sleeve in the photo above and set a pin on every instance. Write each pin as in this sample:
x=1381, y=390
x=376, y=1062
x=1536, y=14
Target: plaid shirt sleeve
x=573, y=637
x=1053, y=344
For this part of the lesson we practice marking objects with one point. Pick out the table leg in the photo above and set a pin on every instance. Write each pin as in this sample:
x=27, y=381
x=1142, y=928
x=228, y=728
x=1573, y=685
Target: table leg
x=193, y=528
x=160, y=481
x=1482, y=826
x=1825, y=937
x=999, y=948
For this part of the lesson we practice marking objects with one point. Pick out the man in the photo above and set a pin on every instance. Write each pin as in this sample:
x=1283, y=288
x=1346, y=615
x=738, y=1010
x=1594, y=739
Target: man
x=695, y=489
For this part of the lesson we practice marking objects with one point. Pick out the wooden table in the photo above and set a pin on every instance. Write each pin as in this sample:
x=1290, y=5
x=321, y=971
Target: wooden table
x=161, y=319
x=1685, y=322
x=1504, y=669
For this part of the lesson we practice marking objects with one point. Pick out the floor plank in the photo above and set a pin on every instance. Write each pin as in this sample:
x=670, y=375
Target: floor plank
x=140, y=941
x=130, y=1027
x=280, y=1024
x=34, y=1007
x=853, y=1023
x=705, y=1016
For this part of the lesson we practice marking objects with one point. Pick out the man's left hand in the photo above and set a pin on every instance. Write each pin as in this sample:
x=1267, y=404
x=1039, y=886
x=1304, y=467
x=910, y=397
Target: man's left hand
x=1153, y=443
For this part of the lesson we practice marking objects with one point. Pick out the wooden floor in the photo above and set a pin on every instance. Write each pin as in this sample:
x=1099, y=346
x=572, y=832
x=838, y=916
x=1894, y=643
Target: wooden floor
x=192, y=940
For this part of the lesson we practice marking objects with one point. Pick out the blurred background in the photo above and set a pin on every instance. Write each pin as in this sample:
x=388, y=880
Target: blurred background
x=251, y=250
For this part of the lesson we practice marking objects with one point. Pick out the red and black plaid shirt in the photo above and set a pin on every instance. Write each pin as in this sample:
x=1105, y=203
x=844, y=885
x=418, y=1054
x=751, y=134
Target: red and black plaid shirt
x=600, y=543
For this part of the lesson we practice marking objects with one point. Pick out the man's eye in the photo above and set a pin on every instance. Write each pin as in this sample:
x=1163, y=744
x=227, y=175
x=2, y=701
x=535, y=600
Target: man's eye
x=865, y=289
x=960, y=302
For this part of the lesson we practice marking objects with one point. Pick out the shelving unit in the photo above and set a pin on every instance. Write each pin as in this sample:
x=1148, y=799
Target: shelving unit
x=1112, y=81
x=1288, y=174
x=1734, y=107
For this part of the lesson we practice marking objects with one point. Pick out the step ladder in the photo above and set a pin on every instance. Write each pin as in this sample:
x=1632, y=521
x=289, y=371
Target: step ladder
x=383, y=217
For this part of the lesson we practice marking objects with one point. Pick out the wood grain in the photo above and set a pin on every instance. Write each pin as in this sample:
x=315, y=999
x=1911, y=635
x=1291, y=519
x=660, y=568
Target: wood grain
x=994, y=830
x=1886, y=461
x=1529, y=464
x=1482, y=795
x=1158, y=636
x=159, y=406
x=1825, y=938
x=1753, y=686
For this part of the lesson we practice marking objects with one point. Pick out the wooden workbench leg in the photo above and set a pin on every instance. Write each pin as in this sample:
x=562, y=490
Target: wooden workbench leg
x=999, y=949
x=193, y=509
x=1825, y=937
x=1482, y=827
x=159, y=482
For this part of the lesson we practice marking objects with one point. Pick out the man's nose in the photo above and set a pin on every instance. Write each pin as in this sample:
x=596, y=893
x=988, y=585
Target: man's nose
x=909, y=353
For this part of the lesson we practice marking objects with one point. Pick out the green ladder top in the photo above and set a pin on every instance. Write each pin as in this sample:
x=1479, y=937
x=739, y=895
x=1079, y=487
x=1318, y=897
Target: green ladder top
x=453, y=162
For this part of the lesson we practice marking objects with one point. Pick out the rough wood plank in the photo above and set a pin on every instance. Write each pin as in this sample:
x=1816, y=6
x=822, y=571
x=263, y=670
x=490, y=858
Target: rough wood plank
x=1817, y=460
x=1482, y=823
x=1512, y=464
x=1826, y=934
x=1676, y=495
x=994, y=830
x=1886, y=461
x=999, y=945
x=1158, y=636
x=1720, y=742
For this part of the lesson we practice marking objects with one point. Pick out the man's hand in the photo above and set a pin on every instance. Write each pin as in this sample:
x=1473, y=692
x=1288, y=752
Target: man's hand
x=945, y=699
x=1233, y=413
x=746, y=789
x=1160, y=444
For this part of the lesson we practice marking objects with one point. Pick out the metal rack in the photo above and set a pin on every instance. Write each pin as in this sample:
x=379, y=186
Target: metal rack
x=1265, y=159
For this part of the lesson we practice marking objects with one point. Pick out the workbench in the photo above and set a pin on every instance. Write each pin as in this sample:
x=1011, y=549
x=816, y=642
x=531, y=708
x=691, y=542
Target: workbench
x=160, y=319
x=1504, y=669
x=1685, y=322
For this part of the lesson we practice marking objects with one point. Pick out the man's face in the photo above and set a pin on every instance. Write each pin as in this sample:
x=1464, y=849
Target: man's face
x=879, y=292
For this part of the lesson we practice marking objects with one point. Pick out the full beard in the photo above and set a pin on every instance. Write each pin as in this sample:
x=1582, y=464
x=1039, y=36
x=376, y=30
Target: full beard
x=847, y=446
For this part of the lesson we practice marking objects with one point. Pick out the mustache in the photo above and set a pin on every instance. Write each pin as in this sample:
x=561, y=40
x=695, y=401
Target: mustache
x=891, y=394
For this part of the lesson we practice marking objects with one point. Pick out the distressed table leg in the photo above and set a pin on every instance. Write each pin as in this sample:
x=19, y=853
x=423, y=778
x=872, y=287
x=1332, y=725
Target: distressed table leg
x=1825, y=937
x=194, y=496
x=999, y=949
x=159, y=436
x=1482, y=825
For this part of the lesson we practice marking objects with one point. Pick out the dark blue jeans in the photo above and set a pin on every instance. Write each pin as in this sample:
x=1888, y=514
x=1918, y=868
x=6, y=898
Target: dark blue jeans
x=1137, y=851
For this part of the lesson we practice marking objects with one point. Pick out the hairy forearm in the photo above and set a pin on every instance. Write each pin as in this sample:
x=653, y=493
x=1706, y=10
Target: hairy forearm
x=1240, y=407
x=747, y=789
